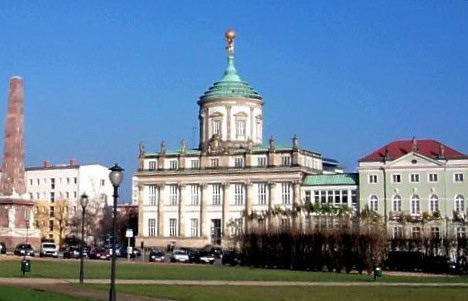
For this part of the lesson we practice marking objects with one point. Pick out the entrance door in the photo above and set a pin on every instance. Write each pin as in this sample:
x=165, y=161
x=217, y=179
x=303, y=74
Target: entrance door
x=216, y=231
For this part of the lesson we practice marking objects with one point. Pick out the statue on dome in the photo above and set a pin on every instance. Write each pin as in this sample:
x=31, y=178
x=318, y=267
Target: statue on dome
x=230, y=35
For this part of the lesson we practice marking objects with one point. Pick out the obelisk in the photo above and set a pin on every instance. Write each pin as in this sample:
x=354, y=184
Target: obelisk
x=16, y=214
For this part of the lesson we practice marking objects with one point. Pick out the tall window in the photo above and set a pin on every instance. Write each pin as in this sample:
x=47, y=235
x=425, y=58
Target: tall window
x=238, y=194
x=217, y=128
x=262, y=193
x=173, y=164
x=373, y=203
x=373, y=179
x=434, y=203
x=52, y=211
x=259, y=129
x=152, y=195
x=461, y=233
x=458, y=177
x=237, y=226
x=416, y=232
x=214, y=162
x=52, y=197
x=261, y=161
x=354, y=202
x=286, y=193
x=397, y=203
x=195, y=163
x=415, y=205
x=152, y=227
x=194, y=195
x=414, y=178
x=435, y=232
x=51, y=225
x=396, y=178
x=194, y=227
x=52, y=183
x=397, y=232
x=173, y=194
x=433, y=177
x=152, y=165
x=240, y=128
x=216, y=196
x=286, y=160
x=238, y=162
x=308, y=198
x=459, y=203
x=172, y=227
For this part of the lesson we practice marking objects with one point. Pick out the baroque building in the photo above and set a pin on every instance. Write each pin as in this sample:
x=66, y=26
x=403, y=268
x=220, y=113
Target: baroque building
x=418, y=186
x=201, y=196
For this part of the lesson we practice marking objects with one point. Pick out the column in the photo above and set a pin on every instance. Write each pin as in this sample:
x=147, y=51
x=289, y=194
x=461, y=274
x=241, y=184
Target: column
x=226, y=194
x=161, y=199
x=271, y=201
x=141, y=211
x=248, y=203
x=228, y=123
x=207, y=120
x=297, y=220
x=251, y=123
x=182, y=210
x=203, y=218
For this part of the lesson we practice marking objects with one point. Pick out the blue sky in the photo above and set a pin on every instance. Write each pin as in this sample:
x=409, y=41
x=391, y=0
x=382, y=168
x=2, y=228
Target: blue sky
x=345, y=76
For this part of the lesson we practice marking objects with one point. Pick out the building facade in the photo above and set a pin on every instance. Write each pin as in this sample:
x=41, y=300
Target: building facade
x=201, y=196
x=418, y=186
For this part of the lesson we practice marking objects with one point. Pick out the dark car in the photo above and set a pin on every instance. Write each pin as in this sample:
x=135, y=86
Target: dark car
x=24, y=250
x=231, y=258
x=193, y=255
x=156, y=256
x=2, y=248
x=216, y=251
x=74, y=252
x=99, y=253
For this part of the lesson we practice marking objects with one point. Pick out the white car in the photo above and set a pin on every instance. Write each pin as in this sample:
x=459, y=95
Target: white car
x=49, y=249
x=179, y=256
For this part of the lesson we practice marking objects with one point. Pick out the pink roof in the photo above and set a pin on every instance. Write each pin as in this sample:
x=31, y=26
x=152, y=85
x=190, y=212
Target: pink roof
x=429, y=148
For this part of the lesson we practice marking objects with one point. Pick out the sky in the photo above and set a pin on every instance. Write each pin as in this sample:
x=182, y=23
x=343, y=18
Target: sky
x=346, y=76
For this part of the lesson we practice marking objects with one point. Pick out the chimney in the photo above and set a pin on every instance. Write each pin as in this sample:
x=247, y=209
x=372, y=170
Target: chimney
x=46, y=164
x=73, y=162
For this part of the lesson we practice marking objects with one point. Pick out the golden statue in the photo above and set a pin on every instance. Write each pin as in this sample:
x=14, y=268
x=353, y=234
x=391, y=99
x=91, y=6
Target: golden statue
x=230, y=36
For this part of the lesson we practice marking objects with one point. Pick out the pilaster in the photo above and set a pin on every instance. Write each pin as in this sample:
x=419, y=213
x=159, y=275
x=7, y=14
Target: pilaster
x=226, y=186
x=161, y=199
x=182, y=201
x=203, y=216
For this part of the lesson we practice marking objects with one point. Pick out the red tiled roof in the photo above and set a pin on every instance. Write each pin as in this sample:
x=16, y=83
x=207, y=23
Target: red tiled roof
x=428, y=148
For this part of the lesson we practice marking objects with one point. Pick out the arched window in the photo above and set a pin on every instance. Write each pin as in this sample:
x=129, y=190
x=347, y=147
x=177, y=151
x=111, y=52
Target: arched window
x=434, y=203
x=459, y=203
x=373, y=203
x=396, y=203
x=415, y=205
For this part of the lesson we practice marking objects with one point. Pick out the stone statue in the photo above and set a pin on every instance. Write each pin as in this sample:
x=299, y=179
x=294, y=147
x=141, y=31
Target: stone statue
x=11, y=217
x=295, y=142
x=141, y=149
x=442, y=151
x=162, y=148
x=272, y=144
x=183, y=146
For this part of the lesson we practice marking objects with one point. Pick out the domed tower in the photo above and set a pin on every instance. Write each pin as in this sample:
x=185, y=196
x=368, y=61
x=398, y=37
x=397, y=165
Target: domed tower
x=231, y=110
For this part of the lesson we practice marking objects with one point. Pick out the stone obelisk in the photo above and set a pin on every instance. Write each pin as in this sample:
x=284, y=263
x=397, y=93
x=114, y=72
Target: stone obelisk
x=16, y=214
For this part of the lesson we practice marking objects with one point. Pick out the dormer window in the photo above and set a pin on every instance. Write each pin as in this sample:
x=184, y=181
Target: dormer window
x=286, y=160
x=173, y=164
x=152, y=165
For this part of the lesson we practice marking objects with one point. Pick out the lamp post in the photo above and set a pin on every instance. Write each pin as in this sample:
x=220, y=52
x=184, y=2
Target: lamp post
x=115, y=176
x=83, y=202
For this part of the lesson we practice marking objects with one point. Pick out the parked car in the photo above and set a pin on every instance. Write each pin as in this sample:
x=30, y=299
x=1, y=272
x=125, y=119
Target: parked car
x=231, y=258
x=156, y=256
x=215, y=250
x=123, y=252
x=74, y=252
x=179, y=256
x=206, y=257
x=48, y=249
x=193, y=255
x=2, y=248
x=24, y=249
x=99, y=253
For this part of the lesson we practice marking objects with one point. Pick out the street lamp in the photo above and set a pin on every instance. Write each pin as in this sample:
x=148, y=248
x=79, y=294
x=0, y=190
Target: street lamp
x=115, y=176
x=83, y=202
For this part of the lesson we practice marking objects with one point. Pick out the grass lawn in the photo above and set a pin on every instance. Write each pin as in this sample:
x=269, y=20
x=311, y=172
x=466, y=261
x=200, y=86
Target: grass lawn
x=231, y=293
x=101, y=270
x=8, y=293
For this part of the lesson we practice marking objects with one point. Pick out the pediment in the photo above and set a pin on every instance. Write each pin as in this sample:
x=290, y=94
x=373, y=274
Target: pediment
x=413, y=159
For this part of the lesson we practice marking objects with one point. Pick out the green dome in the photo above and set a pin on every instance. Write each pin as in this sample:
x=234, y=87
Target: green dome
x=230, y=85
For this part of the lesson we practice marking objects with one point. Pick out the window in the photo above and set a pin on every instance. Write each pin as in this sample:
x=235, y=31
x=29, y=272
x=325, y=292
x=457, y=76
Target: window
x=433, y=177
x=459, y=203
x=194, y=163
x=435, y=232
x=172, y=227
x=261, y=161
x=316, y=196
x=396, y=178
x=415, y=205
x=414, y=178
x=216, y=195
x=354, y=199
x=373, y=179
x=103, y=182
x=152, y=195
x=396, y=203
x=461, y=233
x=194, y=195
x=238, y=194
x=217, y=128
x=173, y=195
x=74, y=194
x=262, y=193
x=37, y=196
x=434, y=203
x=337, y=197
x=286, y=193
x=51, y=226
x=240, y=129
x=397, y=232
x=152, y=165
x=330, y=197
x=31, y=196
x=416, y=232
x=285, y=222
x=75, y=180
x=151, y=227
x=286, y=160
x=52, y=211
x=52, y=197
x=38, y=182
x=173, y=164
x=214, y=162
x=373, y=203
x=458, y=177
x=194, y=227
x=238, y=162
x=237, y=227
x=308, y=198
x=30, y=182
x=259, y=129
x=67, y=195
x=52, y=183
x=68, y=181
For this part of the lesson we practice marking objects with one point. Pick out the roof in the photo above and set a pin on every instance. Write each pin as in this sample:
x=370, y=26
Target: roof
x=427, y=147
x=230, y=86
x=337, y=179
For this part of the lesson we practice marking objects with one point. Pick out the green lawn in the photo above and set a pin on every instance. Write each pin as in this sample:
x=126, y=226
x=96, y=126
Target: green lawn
x=100, y=270
x=232, y=293
x=8, y=293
